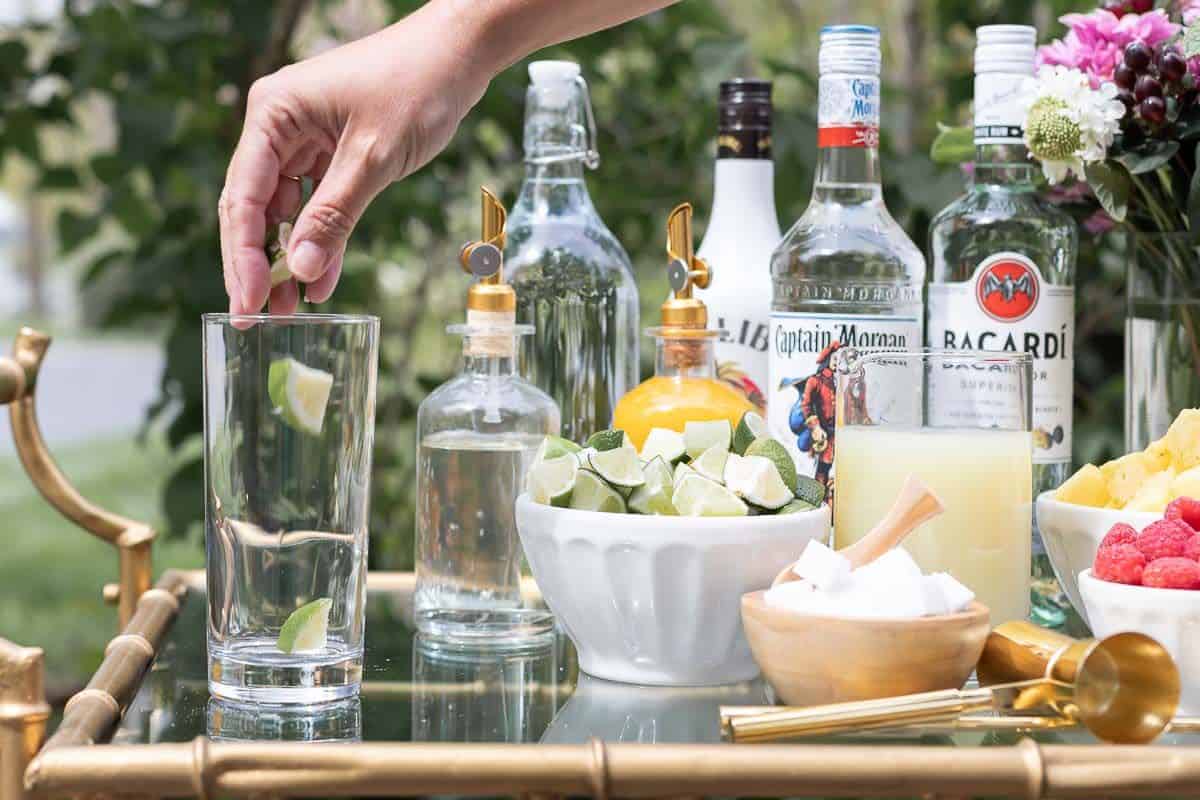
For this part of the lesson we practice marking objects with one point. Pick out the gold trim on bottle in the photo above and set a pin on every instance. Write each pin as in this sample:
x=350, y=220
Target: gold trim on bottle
x=685, y=271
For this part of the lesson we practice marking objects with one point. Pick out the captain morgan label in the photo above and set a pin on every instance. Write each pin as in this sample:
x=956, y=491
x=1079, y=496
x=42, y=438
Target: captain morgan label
x=1007, y=306
x=848, y=111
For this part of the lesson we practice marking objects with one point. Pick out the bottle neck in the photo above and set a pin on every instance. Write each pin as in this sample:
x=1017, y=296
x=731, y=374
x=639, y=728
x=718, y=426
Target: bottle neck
x=1003, y=165
x=743, y=195
x=488, y=365
x=848, y=139
x=554, y=188
x=685, y=357
x=848, y=175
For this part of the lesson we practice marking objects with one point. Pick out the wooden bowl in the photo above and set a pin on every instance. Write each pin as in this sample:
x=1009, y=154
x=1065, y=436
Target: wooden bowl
x=813, y=660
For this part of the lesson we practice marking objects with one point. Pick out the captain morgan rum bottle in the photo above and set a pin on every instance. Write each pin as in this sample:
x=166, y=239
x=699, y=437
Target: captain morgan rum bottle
x=1002, y=273
x=743, y=231
x=846, y=274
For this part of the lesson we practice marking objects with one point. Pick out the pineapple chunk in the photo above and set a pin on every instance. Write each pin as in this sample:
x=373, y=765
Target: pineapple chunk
x=1149, y=498
x=1183, y=439
x=1157, y=455
x=1125, y=476
x=1086, y=487
x=1186, y=484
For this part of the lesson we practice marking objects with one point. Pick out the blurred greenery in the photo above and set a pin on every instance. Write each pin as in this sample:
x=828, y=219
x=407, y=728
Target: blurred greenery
x=156, y=90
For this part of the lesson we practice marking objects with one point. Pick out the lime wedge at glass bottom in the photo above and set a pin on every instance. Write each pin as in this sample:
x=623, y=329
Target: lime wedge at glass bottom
x=619, y=466
x=299, y=394
x=555, y=447
x=663, y=442
x=593, y=494
x=305, y=628
x=697, y=496
x=750, y=427
x=682, y=471
x=756, y=479
x=711, y=463
x=550, y=482
x=769, y=448
x=795, y=507
x=607, y=440
x=810, y=490
x=699, y=436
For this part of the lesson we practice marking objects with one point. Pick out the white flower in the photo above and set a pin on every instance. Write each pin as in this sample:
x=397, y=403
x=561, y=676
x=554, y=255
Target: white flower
x=1068, y=124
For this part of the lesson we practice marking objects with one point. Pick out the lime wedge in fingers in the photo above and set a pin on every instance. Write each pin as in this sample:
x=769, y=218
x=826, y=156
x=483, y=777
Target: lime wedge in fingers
x=699, y=436
x=593, y=494
x=619, y=466
x=299, y=394
x=550, y=482
x=663, y=442
x=750, y=427
x=697, y=496
x=305, y=629
x=711, y=463
x=769, y=448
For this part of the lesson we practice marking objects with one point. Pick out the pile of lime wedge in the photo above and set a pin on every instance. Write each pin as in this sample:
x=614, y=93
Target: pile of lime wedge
x=711, y=469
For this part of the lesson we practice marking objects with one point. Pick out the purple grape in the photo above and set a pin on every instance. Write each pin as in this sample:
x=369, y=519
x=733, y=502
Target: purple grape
x=1141, y=6
x=1117, y=7
x=1137, y=56
x=1172, y=66
x=1153, y=109
x=1147, y=86
x=1124, y=76
x=1126, y=97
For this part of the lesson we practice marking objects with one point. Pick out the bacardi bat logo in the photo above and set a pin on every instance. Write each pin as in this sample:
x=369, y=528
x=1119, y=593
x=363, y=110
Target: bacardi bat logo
x=1007, y=288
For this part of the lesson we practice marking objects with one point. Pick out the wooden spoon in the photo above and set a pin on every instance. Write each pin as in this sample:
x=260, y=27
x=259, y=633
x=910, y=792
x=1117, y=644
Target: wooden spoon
x=915, y=505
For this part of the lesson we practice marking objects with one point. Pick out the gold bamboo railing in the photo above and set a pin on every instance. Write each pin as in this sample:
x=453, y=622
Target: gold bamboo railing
x=23, y=714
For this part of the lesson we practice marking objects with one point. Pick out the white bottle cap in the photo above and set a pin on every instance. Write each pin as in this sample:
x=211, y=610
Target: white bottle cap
x=849, y=49
x=555, y=80
x=1007, y=49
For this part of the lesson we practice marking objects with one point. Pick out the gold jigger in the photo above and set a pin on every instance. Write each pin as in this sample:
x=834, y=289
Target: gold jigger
x=1126, y=686
x=1124, y=689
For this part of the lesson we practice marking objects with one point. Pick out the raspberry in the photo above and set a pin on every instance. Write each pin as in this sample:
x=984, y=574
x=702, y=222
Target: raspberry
x=1192, y=549
x=1185, y=509
x=1121, y=563
x=1165, y=538
x=1119, y=534
x=1172, y=573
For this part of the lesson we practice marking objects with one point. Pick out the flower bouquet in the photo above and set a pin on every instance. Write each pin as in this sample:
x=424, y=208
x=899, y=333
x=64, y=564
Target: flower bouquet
x=1113, y=118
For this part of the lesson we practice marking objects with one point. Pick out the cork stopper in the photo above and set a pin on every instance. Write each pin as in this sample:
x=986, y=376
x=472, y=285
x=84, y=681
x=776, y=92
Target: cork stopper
x=491, y=303
x=685, y=271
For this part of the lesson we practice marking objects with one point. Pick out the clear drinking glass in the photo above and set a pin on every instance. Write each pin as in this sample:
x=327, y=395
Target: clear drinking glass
x=230, y=721
x=959, y=421
x=289, y=421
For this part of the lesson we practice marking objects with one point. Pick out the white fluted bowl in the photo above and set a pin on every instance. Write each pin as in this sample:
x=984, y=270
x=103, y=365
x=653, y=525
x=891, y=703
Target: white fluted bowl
x=657, y=600
x=1072, y=535
x=1169, y=616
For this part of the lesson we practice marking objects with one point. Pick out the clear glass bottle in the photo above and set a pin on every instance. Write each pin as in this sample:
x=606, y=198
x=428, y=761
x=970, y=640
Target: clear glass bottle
x=685, y=386
x=1002, y=273
x=573, y=280
x=477, y=434
x=846, y=274
x=742, y=232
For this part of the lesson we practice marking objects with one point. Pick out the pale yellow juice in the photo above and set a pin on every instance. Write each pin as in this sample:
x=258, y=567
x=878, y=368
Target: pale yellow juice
x=983, y=477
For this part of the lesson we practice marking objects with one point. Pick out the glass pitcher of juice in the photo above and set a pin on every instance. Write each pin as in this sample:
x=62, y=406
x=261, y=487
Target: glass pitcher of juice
x=685, y=387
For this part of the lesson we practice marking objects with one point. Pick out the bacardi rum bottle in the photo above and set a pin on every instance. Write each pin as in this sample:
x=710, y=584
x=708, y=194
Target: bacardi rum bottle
x=1003, y=269
x=846, y=274
x=742, y=233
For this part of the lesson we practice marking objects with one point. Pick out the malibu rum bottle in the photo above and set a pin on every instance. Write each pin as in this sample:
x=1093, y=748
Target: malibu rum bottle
x=685, y=386
x=743, y=231
x=846, y=274
x=573, y=280
x=1003, y=269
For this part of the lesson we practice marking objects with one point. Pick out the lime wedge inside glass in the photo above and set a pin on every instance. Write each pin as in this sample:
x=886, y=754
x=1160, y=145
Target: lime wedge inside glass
x=299, y=394
x=593, y=494
x=550, y=482
x=697, y=496
x=306, y=628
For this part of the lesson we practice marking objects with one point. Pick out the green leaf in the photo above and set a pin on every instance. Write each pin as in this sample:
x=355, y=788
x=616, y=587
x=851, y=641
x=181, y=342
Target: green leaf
x=953, y=145
x=75, y=229
x=1111, y=184
x=1191, y=41
x=12, y=57
x=1193, y=200
x=1148, y=159
x=59, y=178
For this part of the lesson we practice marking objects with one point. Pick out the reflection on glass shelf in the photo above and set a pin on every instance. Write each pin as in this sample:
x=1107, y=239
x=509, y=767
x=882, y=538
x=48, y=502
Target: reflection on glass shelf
x=618, y=712
x=463, y=692
x=340, y=721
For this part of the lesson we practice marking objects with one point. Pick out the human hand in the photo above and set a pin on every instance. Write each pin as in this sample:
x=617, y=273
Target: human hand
x=354, y=119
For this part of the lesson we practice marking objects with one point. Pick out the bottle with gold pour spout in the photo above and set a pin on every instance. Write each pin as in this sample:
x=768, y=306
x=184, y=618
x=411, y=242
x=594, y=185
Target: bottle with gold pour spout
x=685, y=387
x=477, y=434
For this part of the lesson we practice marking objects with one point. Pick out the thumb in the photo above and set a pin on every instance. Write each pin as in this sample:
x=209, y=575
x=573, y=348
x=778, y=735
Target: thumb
x=319, y=236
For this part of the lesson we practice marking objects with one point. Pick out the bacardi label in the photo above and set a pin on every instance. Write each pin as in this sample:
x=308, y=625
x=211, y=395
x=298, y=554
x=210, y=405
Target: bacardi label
x=1007, y=306
x=801, y=409
x=848, y=111
x=998, y=110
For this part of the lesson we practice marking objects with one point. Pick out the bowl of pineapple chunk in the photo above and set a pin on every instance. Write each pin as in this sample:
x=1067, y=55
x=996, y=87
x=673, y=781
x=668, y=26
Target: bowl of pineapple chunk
x=1135, y=489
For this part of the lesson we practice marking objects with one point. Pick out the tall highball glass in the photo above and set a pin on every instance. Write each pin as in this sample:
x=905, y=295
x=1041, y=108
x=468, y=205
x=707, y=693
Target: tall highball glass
x=289, y=422
x=959, y=421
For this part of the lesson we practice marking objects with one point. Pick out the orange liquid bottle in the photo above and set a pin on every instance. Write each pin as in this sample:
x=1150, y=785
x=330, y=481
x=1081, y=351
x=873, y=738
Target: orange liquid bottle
x=685, y=385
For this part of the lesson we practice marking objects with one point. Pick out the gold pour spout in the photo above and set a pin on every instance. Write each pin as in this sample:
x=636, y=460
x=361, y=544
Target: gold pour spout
x=685, y=271
x=485, y=260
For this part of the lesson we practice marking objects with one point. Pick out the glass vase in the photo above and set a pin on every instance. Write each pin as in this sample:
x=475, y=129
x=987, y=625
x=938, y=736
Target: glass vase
x=1162, y=334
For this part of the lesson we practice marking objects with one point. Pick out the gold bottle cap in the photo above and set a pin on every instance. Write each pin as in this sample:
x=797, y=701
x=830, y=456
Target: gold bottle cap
x=683, y=313
x=485, y=260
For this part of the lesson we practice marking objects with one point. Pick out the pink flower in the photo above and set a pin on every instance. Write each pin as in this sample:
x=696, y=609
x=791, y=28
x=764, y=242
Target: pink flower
x=1096, y=41
x=1189, y=10
x=1099, y=222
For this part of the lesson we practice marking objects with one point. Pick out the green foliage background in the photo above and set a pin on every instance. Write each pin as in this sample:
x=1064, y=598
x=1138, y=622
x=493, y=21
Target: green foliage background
x=172, y=78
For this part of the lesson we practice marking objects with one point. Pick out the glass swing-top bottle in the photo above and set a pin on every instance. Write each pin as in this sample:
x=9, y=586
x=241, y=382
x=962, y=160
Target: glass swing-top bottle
x=477, y=434
x=685, y=387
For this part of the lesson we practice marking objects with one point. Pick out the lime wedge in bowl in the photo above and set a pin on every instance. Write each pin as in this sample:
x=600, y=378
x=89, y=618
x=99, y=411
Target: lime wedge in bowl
x=663, y=442
x=550, y=482
x=697, y=496
x=607, y=440
x=701, y=435
x=654, y=496
x=299, y=394
x=619, y=466
x=306, y=628
x=592, y=493
x=711, y=463
x=779, y=456
x=756, y=479
x=750, y=427
x=554, y=447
